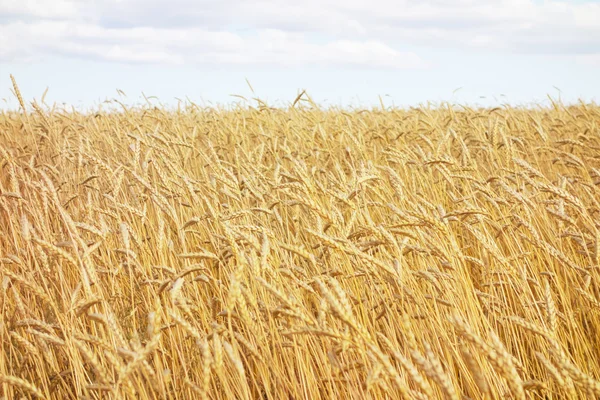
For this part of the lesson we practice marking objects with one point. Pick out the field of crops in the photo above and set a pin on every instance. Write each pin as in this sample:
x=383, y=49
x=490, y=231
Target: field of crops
x=300, y=253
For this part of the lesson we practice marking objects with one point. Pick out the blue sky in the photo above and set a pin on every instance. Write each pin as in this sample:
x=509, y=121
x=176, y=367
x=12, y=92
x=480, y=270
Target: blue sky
x=345, y=53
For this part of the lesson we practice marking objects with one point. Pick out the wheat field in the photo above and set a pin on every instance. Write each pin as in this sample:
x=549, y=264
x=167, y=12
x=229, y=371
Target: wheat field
x=300, y=253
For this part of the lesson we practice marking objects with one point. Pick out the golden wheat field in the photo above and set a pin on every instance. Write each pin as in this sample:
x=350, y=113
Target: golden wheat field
x=300, y=253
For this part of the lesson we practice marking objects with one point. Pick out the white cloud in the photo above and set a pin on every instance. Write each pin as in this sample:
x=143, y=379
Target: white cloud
x=39, y=8
x=34, y=41
x=591, y=60
x=285, y=32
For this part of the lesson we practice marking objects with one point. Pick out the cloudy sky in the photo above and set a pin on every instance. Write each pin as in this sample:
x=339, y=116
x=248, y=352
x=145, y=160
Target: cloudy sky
x=343, y=52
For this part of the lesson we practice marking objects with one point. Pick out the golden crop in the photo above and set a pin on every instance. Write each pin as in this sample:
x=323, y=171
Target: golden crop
x=300, y=253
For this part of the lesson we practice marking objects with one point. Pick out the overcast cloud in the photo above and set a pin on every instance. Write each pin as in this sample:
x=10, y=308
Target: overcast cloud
x=377, y=33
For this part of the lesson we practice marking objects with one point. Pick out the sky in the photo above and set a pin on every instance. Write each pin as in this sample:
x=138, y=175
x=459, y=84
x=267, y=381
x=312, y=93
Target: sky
x=349, y=53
